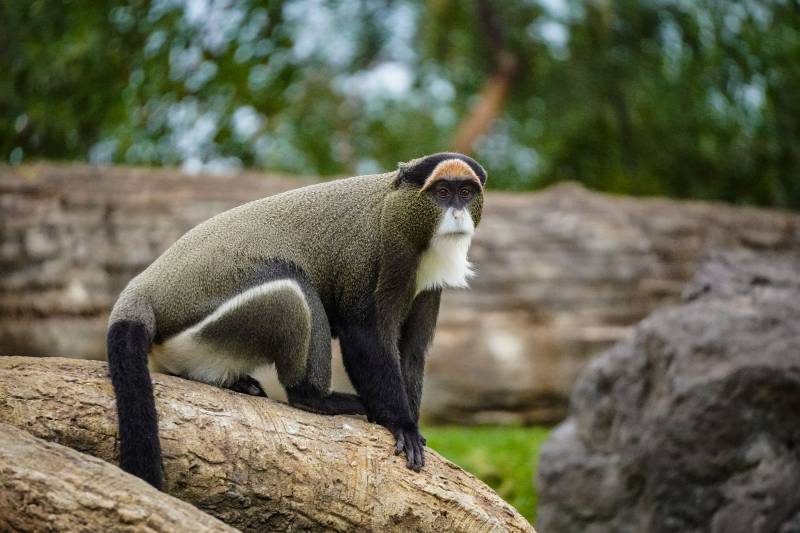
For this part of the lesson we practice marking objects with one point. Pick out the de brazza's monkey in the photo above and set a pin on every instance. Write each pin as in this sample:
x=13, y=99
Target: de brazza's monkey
x=272, y=281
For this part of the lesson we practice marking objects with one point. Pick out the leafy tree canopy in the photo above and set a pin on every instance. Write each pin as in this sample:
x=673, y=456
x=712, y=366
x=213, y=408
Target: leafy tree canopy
x=683, y=98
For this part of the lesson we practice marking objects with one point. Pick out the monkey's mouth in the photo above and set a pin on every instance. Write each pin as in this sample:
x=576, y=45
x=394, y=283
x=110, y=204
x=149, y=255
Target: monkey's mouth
x=455, y=233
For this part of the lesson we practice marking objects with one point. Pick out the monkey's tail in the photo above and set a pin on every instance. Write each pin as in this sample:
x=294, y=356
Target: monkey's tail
x=130, y=333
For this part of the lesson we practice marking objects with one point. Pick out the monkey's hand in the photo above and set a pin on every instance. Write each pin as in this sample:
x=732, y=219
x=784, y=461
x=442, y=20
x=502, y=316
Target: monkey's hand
x=410, y=441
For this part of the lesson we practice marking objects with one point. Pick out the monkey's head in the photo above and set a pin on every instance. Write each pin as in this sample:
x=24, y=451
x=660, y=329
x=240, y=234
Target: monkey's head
x=438, y=196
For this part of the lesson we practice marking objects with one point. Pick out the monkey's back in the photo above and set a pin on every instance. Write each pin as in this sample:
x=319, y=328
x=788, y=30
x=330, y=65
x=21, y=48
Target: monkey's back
x=225, y=254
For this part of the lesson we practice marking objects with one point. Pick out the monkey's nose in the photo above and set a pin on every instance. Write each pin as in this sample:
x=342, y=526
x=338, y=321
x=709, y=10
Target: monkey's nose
x=458, y=214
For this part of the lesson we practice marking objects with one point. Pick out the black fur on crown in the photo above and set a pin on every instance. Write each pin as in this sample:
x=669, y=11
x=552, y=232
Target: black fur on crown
x=418, y=170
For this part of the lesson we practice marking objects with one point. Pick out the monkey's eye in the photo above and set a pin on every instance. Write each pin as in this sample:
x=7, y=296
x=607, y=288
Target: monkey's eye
x=443, y=192
x=464, y=193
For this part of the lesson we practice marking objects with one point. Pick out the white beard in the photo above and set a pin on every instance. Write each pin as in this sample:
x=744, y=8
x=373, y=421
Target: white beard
x=445, y=263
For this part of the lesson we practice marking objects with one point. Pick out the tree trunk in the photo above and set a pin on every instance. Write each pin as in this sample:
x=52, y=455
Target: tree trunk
x=48, y=487
x=254, y=463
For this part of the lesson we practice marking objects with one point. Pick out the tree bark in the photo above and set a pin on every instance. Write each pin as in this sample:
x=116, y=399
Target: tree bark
x=48, y=487
x=254, y=463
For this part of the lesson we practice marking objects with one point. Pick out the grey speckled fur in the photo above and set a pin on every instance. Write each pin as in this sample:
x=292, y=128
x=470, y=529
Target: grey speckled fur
x=212, y=262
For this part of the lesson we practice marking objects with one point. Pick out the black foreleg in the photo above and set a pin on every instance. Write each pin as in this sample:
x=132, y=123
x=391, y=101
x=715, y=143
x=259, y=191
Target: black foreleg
x=415, y=338
x=375, y=372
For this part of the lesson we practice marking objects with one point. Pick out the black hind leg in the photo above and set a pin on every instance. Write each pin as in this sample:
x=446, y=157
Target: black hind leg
x=308, y=398
x=313, y=391
x=247, y=385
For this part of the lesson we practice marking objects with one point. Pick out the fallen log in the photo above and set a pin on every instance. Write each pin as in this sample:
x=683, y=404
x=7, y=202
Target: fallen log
x=256, y=464
x=48, y=487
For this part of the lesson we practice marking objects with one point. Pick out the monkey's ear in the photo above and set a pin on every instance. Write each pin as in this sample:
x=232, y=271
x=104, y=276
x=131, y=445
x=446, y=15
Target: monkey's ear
x=404, y=173
x=417, y=171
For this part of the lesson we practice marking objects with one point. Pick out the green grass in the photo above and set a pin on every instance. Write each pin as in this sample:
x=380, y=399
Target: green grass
x=505, y=458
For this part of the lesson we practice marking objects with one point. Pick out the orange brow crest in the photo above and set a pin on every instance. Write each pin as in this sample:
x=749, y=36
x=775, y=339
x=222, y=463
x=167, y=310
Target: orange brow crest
x=451, y=167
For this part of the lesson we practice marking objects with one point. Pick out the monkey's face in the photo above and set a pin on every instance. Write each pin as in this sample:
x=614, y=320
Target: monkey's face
x=453, y=196
x=435, y=197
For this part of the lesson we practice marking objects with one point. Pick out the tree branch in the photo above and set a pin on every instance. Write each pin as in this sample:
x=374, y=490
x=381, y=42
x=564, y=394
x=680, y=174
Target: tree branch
x=254, y=463
x=46, y=486
x=489, y=103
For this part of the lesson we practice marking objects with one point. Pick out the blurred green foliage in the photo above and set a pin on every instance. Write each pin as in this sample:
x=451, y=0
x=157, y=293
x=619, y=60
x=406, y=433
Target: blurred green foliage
x=504, y=457
x=676, y=97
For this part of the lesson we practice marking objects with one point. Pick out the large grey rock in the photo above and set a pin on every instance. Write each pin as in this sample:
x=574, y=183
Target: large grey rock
x=692, y=425
x=562, y=274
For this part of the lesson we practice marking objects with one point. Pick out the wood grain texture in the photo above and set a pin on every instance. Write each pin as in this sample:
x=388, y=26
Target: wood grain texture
x=256, y=464
x=48, y=487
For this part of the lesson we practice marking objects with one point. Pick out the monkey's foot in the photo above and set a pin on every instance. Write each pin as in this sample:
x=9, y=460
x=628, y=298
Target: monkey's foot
x=247, y=385
x=410, y=441
x=335, y=403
